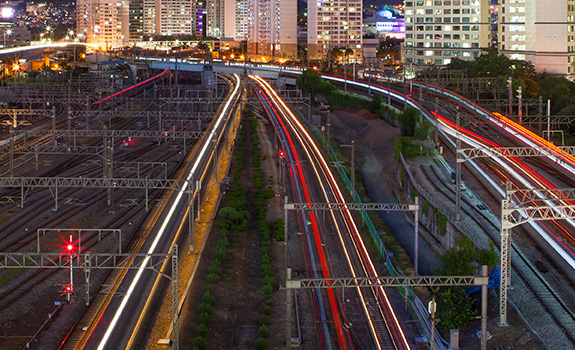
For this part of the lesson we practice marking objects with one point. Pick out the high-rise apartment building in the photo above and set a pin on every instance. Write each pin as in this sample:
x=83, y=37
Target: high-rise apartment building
x=136, y=14
x=436, y=31
x=103, y=21
x=221, y=18
x=272, y=31
x=334, y=24
x=175, y=17
x=244, y=16
x=198, y=17
x=539, y=31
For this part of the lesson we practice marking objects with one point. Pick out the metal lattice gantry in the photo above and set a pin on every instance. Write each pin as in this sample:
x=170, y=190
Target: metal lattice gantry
x=152, y=134
x=387, y=281
x=171, y=115
x=351, y=206
x=400, y=281
x=91, y=261
x=338, y=206
x=465, y=154
x=15, y=116
x=365, y=206
x=526, y=205
x=489, y=152
x=55, y=183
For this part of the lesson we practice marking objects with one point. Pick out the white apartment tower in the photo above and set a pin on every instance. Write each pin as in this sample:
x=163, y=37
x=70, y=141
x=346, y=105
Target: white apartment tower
x=221, y=18
x=168, y=17
x=539, y=31
x=269, y=27
x=436, y=31
x=334, y=24
x=103, y=22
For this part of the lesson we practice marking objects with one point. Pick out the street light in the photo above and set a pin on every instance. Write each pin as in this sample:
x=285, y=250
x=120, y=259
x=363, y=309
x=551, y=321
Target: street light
x=9, y=32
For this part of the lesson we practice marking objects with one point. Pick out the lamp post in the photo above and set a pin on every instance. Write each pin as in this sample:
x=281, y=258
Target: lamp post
x=49, y=30
x=6, y=32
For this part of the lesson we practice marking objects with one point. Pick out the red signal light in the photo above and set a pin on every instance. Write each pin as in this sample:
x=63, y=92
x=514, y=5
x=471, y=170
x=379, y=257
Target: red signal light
x=70, y=247
x=282, y=153
x=68, y=288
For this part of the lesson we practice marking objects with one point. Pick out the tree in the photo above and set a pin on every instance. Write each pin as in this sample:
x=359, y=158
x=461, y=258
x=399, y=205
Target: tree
x=408, y=119
x=558, y=90
x=231, y=214
x=423, y=130
x=308, y=81
x=454, y=308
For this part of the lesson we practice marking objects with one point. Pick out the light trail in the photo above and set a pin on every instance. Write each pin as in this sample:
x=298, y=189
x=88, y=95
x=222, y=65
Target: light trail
x=498, y=120
x=162, y=229
x=536, y=181
x=317, y=238
x=398, y=335
x=132, y=87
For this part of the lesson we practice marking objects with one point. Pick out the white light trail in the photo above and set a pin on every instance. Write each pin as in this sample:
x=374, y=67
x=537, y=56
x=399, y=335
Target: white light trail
x=339, y=197
x=162, y=229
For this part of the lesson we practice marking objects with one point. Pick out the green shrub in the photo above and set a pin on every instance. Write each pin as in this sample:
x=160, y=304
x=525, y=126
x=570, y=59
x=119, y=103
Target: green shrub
x=205, y=319
x=261, y=344
x=414, y=192
x=265, y=259
x=223, y=224
x=264, y=320
x=267, y=289
x=215, y=268
x=266, y=270
x=442, y=223
x=206, y=308
x=220, y=254
x=212, y=278
x=202, y=330
x=268, y=310
x=200, y=343
x=425, y=207
x=223, y=241
x=264, y=332
x=208, y=298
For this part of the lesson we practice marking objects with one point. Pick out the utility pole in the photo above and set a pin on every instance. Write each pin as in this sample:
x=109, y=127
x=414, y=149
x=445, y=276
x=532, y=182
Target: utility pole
x=431, y=307
x=457, y=170
x=548, y=120
x=520, y=103
x=352, y=170
x=510, y=88
x=328, y=125
x=540, y=112
x=309, y=109
x=436, y=133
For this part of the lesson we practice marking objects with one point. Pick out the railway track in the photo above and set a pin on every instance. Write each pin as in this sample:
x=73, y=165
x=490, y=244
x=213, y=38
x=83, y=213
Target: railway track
x=556, y=305
x=15, y=237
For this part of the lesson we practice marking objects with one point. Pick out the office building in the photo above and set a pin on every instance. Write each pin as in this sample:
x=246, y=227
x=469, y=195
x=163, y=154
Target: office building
x=336, y=24
x=542, y=32
x=437, y=31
